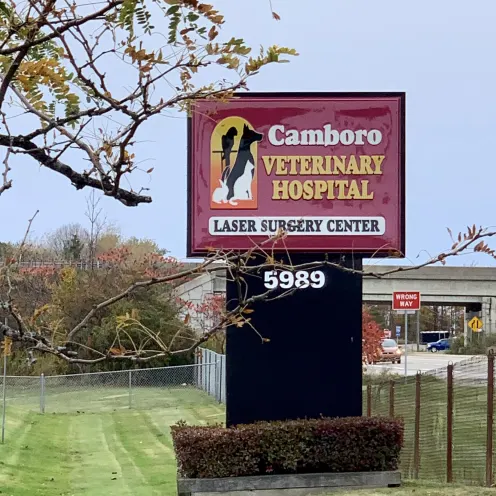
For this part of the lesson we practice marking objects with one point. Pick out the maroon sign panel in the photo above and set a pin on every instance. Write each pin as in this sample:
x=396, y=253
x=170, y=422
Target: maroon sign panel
x=298, y=172
x=406, y=300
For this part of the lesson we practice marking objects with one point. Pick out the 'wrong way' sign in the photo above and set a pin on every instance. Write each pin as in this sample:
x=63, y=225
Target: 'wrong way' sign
x=406, y=300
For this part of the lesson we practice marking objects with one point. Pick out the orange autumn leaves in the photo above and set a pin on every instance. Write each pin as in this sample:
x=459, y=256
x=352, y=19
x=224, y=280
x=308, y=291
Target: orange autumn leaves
x=372, y=333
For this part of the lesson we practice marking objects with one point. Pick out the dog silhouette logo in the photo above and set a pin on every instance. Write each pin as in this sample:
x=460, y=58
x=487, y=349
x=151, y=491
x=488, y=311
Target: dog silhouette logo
x=233, y=165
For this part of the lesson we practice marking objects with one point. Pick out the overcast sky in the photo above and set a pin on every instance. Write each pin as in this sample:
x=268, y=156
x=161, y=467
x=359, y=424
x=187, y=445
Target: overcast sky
x=440, y=52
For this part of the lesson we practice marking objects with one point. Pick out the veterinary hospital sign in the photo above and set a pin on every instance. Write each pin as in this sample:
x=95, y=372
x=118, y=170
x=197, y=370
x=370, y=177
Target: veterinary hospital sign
x=325, y=169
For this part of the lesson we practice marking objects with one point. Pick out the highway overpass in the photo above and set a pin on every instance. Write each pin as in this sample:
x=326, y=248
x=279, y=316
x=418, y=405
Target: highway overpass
x=471, y=287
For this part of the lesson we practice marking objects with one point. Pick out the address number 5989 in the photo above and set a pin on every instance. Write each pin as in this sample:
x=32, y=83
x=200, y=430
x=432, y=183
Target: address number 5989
x=287, y=279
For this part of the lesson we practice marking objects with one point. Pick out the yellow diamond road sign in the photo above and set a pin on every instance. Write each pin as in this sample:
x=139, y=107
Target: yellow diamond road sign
x=475, y=324
x=6, y=346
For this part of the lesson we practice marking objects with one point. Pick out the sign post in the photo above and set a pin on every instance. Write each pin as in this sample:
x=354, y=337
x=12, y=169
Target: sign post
x=406, y=344
x=406, y=302
x=6, y=350
x=296, y=179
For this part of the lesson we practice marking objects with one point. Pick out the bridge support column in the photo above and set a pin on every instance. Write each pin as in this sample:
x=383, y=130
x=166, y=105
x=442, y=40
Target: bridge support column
x=488, y=315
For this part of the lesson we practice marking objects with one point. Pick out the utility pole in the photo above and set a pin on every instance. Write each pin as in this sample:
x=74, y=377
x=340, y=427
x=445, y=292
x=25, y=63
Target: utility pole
x=418, y=330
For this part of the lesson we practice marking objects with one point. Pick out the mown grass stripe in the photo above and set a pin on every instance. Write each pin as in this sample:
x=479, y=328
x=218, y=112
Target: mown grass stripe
x=40, y=459
x=10, y=451
x=115, y=452
x=95, y=467
x=131, y=472
x=157, y=466
x=162, y=436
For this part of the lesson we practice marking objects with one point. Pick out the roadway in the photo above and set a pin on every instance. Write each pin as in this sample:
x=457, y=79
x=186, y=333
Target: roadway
x=423, y=362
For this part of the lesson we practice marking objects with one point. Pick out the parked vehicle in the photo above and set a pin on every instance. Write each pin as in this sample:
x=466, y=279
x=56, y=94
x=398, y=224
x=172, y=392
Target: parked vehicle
x=427, y=337
x=389, y=352
x=441, y=345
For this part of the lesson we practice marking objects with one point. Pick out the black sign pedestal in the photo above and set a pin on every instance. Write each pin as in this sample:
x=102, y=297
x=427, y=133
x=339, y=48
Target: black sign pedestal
x=311, y=365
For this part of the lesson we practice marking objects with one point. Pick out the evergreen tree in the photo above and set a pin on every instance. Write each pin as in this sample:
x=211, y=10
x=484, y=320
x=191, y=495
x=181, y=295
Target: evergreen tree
x=73, y=248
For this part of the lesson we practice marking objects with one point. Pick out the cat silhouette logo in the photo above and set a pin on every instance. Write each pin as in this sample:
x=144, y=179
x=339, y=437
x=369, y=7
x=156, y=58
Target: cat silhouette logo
x=233, y=165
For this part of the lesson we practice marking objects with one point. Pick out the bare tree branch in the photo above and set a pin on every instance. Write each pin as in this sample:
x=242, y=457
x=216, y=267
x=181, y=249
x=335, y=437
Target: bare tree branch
x=7, y=183
x=35, y=66
x=97, y=15
x=153, y=346
x=22, y=52
x=79, y=181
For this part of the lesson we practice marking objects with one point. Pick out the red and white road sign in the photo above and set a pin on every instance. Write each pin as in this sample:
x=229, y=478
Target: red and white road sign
x=406, y=300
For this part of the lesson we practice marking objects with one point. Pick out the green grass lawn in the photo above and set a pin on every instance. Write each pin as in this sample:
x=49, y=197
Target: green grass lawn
x=89, y=442
x=117, y=452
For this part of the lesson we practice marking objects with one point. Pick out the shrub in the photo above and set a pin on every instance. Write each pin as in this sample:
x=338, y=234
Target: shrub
x=457, y=346
x=479, y=345
x=353, y=444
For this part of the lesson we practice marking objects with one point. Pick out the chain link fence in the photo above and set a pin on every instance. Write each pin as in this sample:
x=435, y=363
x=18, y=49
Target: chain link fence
x=448, y=415
x=163, y=387
x=212, y=381
x=448, y=412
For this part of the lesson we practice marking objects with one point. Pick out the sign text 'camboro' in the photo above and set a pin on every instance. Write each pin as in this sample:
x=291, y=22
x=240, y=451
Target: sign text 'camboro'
x=326, y=169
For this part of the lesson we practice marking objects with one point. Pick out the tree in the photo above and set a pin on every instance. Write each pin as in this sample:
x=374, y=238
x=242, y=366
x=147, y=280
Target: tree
x=139, y=247
x=72, y=248
x=380, y=314
x=99, y=226
x=108, y=241
x=65, y=334
x=372, y=333
x=80, y=121
x=6, y=250
x=67, y=242
x=54, y=298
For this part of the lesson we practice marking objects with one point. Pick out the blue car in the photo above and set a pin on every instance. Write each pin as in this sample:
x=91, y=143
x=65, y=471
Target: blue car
x=441, y=345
